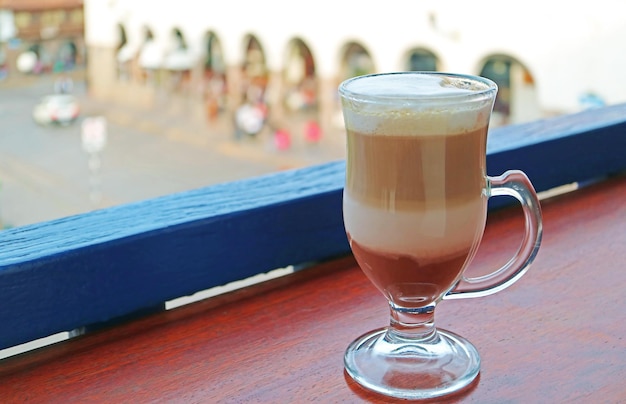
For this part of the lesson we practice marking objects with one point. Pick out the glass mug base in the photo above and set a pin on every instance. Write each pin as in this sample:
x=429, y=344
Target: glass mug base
x=442, y=364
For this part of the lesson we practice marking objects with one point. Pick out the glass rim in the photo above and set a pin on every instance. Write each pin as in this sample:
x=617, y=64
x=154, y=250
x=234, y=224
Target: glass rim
x=361, y=96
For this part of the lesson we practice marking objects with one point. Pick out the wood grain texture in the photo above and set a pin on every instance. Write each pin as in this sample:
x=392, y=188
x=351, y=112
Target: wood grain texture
x=557, y=335
x=96, y=267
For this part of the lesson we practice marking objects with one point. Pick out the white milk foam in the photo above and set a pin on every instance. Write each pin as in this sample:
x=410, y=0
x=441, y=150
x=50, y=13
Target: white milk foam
x=414, y=232
x=415, y=104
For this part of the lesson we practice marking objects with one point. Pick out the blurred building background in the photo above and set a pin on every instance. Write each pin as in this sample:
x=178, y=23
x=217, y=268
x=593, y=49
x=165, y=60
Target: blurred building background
x=41, y=36
x=223, y=62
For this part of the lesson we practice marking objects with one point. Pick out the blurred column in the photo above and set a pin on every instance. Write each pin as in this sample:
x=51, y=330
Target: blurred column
x=234, y=83
x=274, y=97
x=328, y=105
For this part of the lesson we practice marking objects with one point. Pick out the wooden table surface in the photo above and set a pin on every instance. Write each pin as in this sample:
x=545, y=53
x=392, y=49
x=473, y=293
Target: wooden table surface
x=557, y=335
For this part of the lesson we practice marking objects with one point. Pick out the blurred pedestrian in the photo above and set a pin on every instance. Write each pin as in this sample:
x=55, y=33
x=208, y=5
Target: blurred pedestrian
x=312, y=131
x=249, y=119
x=282, y=139
x=63, y=85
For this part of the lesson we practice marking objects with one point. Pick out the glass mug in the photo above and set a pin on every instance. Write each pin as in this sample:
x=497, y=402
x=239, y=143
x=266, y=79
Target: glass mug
x=415, y=206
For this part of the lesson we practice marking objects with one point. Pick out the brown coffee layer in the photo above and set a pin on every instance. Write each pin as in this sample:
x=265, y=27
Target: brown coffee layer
x=407, y=281
x=408, y=170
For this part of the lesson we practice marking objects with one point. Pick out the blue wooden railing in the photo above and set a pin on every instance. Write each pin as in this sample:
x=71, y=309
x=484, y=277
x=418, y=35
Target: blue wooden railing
x=97, y=267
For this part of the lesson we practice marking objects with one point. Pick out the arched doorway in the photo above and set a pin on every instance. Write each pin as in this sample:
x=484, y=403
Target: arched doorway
x=150, y=59
x=516, y=101
x=255, y=73
x=124, y=55
x=299, y=77
x=356, y=61
x=67, y=56
x=300, y=90
x=32, y=60
x=252, y=112
x=214, y=76
x=422, y=60
x=178, y=62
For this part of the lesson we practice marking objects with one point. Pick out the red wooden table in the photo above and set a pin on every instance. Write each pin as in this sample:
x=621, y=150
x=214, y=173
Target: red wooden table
x=557, y=335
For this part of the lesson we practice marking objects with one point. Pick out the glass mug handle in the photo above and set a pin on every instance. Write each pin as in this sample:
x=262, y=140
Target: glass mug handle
x=516, y=184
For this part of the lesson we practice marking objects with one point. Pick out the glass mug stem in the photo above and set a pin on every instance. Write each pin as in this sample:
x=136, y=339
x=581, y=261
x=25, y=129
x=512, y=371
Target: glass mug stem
x=516, y=184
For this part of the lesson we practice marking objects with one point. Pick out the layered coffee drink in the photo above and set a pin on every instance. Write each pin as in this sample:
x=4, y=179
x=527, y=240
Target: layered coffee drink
x=415, y=202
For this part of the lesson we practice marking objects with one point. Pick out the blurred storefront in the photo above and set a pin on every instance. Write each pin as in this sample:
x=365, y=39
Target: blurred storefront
x=41, y=37
x=241, y=59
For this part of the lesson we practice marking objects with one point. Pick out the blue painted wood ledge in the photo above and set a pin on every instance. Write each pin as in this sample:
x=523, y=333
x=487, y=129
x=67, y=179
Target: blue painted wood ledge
x=95, y=267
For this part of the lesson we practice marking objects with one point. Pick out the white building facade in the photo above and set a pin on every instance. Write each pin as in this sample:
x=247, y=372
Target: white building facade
x=547, y=57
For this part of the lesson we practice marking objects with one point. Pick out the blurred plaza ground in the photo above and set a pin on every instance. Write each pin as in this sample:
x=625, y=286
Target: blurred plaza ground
x=150, y=152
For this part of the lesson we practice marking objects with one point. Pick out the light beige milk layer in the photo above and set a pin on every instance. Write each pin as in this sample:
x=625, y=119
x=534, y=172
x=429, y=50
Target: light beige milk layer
x=425, y=234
